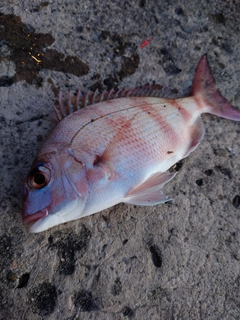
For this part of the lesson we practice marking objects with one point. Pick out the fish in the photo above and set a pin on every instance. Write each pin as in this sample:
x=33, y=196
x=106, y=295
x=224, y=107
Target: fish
x=118, y=148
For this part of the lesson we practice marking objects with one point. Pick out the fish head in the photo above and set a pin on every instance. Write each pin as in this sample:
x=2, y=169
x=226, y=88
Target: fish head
x=54, y=191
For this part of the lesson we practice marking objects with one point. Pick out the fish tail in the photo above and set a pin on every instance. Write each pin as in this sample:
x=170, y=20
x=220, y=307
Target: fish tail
x=206, y=93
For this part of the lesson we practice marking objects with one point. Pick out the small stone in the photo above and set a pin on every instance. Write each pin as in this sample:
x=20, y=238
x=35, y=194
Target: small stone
x=221, y=152
x=11, y=276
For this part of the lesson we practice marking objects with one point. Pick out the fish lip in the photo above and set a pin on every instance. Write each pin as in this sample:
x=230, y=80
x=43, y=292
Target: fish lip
x=35, y=216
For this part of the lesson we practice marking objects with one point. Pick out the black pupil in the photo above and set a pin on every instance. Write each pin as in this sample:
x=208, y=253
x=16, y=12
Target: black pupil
x=39, y=178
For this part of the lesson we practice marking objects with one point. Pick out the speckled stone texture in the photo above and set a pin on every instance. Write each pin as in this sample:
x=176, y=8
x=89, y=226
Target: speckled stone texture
x=180, y=260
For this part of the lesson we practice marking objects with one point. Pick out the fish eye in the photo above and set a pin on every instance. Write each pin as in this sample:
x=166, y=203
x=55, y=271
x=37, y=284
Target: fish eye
x=39, y=177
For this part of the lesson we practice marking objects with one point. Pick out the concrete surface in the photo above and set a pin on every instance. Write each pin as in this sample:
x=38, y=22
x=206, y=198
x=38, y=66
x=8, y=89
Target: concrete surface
x=180, y=260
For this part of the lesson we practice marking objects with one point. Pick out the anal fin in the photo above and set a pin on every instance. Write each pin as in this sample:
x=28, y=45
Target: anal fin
x=149, y=192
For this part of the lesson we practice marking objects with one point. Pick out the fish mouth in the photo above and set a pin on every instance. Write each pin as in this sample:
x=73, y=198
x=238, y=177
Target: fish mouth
x=45, y=220
x=35, y=216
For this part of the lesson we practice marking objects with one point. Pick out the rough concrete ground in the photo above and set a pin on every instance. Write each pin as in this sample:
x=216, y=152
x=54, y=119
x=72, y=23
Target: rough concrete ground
x=180, y=260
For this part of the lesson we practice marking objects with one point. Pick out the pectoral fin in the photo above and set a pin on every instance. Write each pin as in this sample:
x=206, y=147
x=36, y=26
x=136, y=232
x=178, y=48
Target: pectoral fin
x=149, y=192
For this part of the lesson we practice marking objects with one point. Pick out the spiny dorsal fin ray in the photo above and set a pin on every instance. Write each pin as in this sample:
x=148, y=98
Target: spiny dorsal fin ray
x=74, y=103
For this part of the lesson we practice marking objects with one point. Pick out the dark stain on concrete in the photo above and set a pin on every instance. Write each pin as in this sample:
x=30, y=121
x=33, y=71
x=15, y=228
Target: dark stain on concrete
x=227, y=172
x=117, y=287
x=129, y=64
x=23, y=280
x=127, y=312
x=156, y=255
x=28, y=50
x=67, y=244
x=236, y=201
x=218, y=18
x=168, y=63
x=208, y=172
x=199, y=182
x=43, y=299
x=40, y=6
x=85, y=301
x=158, y=293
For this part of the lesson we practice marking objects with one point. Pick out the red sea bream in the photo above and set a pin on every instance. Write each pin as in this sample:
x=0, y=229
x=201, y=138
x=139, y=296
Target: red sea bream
x=118, y=149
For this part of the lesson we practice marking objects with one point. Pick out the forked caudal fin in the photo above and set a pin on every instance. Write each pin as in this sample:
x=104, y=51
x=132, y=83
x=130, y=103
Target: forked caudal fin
x=204, y=88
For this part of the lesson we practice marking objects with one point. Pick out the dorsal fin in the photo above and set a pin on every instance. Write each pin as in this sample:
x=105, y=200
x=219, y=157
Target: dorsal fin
x=74, y=103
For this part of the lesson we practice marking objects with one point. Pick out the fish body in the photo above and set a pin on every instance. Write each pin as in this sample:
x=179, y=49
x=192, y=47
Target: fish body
x=117, y=150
